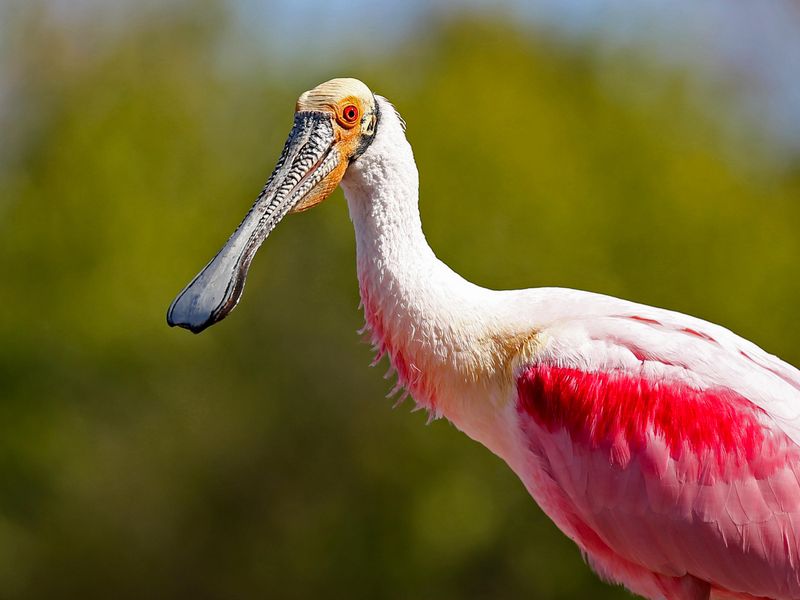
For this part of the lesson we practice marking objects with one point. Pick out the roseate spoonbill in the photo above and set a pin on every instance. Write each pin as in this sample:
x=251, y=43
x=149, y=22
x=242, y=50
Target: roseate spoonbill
x=666, y=447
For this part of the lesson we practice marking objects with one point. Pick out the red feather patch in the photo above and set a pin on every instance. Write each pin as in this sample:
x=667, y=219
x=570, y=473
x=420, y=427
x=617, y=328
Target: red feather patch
x=618, y=411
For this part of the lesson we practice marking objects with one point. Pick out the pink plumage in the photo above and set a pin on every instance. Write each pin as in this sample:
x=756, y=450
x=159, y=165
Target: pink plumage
x=618, y=411
x=671, y=482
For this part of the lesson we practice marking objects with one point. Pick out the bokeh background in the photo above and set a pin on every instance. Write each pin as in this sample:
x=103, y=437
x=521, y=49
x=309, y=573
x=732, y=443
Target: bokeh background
x=643, y=149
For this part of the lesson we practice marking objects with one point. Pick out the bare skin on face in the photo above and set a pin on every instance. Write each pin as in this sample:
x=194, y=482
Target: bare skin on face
x=352, y=109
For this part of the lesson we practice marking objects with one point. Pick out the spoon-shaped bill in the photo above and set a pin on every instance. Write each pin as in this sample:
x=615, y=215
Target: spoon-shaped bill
x=308, y=157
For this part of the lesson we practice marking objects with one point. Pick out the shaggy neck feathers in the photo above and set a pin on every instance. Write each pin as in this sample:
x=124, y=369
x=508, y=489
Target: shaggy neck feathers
x=421, y=314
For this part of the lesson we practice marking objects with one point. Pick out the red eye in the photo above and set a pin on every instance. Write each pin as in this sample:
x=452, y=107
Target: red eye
x=350, y=114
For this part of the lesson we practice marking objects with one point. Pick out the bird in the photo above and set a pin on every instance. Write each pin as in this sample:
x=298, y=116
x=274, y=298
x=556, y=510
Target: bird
x=666, y=447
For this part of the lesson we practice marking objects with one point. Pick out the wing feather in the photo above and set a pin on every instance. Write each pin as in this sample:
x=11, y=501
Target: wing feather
x=674, y=440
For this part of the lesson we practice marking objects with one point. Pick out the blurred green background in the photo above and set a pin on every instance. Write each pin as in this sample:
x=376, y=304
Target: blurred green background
x=260, y=459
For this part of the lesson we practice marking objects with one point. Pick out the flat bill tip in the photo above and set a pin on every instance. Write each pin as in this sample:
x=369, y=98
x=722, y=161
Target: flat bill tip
x=195, y=329
x=187, y=326
x=192, y=320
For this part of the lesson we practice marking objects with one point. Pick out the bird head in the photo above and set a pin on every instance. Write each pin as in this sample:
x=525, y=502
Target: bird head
x=334, y=124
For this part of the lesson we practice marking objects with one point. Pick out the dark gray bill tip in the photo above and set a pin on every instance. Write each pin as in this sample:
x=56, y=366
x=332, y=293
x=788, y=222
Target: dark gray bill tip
x=193, y=326
x=194, y=321
x=211, y=296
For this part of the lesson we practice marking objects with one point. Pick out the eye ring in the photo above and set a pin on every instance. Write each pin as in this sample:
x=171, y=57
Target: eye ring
x=350, y=114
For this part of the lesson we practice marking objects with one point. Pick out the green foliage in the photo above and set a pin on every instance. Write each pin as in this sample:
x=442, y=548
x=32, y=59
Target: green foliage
x=259, y=459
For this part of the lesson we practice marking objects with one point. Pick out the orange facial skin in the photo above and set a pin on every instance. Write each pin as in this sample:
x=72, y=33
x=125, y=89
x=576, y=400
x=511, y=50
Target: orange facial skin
x=347, y=104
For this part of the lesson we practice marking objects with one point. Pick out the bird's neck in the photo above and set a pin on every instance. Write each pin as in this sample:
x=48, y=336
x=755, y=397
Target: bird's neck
x=424, y=316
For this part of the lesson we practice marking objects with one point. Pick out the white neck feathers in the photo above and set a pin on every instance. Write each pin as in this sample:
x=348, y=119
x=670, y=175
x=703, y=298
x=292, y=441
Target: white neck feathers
x=423, y=315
